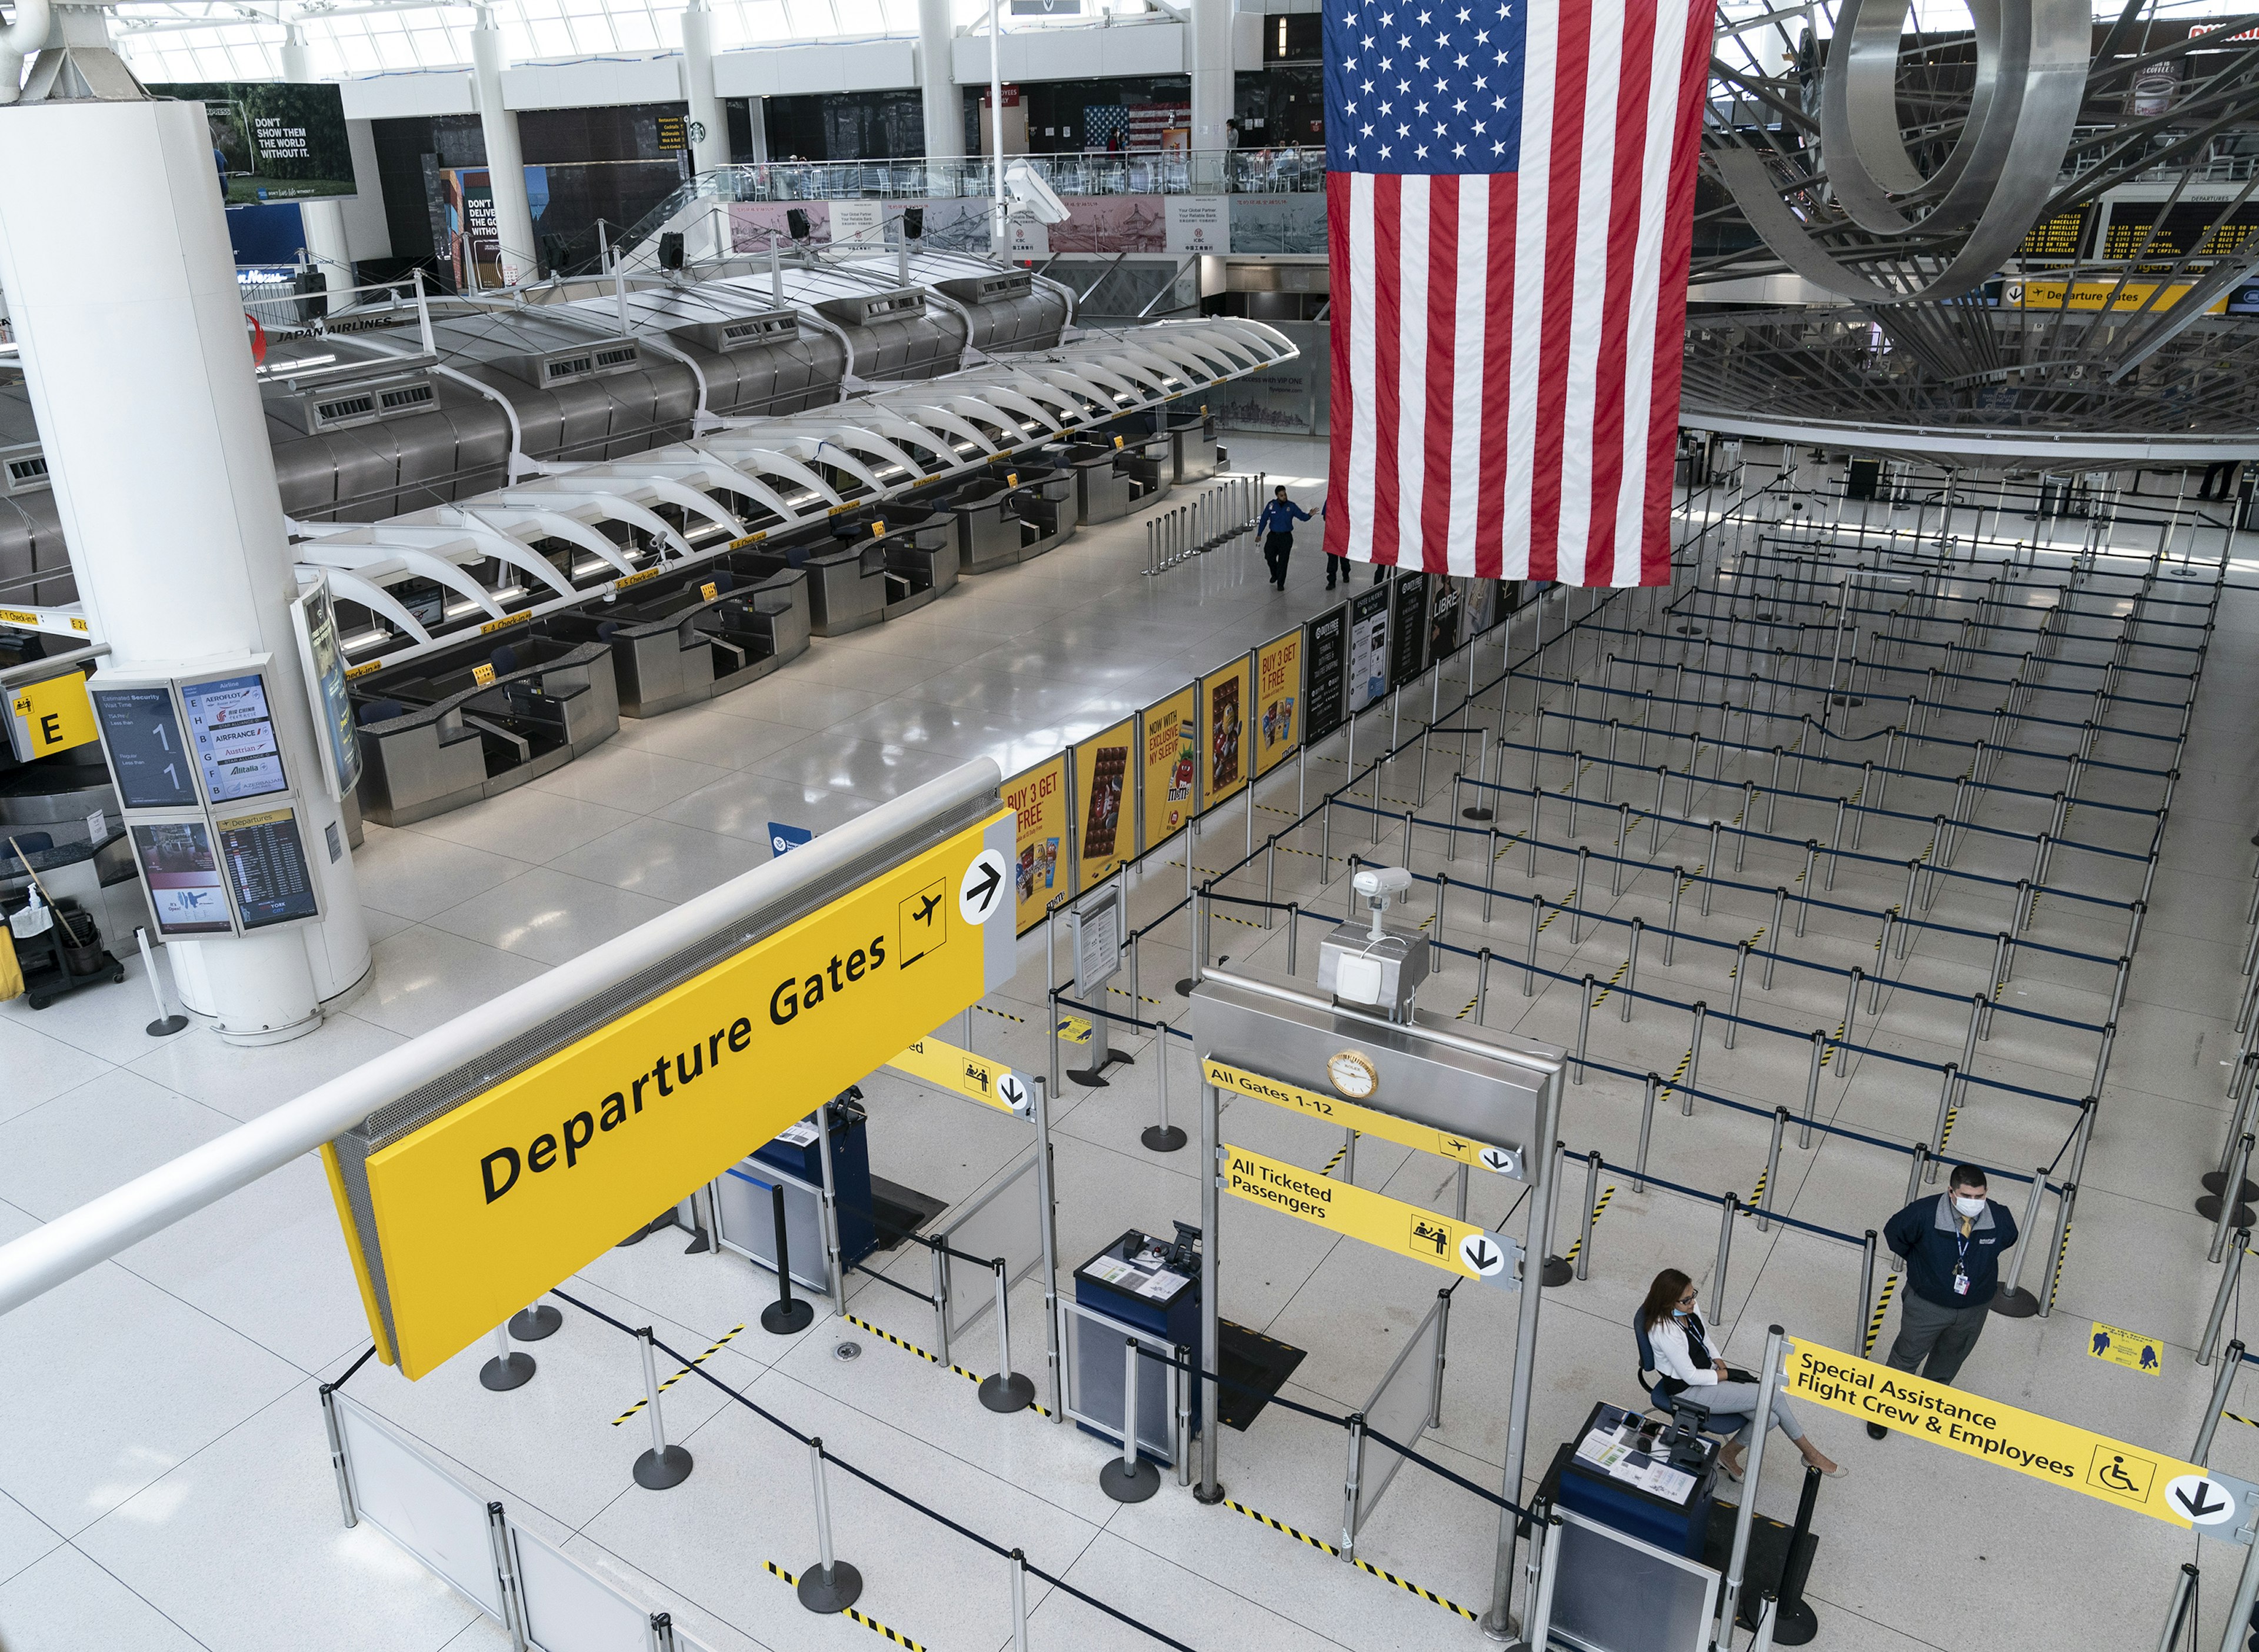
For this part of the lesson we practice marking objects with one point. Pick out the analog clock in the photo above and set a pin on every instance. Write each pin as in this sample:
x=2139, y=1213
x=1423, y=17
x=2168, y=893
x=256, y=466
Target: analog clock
x=1352, y=1075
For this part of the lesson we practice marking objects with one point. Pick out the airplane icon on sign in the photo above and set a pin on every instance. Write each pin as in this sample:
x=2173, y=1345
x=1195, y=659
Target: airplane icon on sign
x=924, y=914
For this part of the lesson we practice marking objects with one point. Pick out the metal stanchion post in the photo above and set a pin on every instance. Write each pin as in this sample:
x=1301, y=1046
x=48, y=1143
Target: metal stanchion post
x=1163, y=1137
x=1584, y=1024
x=2066, y=1203
x=2229, y=1277
x=1529, y=965
x=1047, y=1198
x=2176, y=1615
x=1631, y=968
x=1209, y=1491
x=1729, y=1205
x=1693, y=1062
x=1592, y=1199
x=1129, y=1478
x=1771, y=1170
x=1654, y=1088
x=1738, y=1556
x=788, y=1313
x=664, y=1465
x=1866, y=1292
x=2220, y=1382
x=1733, y=1004
x=831, y=1584
x=2229, y=1186
x=1006, y=1390
x=167, y=1022
x=1019, y=1601
x=508, y=1368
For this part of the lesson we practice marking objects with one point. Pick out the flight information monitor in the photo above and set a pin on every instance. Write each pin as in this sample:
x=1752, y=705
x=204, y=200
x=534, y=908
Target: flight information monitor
x=142, y=733
x=265, y=865
x=185, y=895
x=232, y=730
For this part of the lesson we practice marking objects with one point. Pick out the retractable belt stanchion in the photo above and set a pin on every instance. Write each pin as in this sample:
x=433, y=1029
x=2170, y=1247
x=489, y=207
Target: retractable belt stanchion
x=1019, y=1601
x=1047, y=1198
x=169, y=1022
x=2229, y=1277
x=1211, y=1314
x=831, y=1584
x=1006, y=1390
x=1163, y=1137
x=2202, y=1451
x=1498, y=1623
x=664, y=1465
x=788, y=1313
x=508, y=1368
x=1129, y=1478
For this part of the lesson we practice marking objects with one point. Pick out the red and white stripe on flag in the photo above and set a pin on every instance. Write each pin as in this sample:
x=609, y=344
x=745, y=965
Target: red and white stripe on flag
x=1507, y=345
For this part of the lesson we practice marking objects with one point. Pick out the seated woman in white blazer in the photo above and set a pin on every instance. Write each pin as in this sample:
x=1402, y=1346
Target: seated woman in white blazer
x=1683, y=1360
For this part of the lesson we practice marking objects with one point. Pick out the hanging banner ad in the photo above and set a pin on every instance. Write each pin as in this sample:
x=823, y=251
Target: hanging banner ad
x=1105, y=807
x=1446, y=608
x=1325, y=654
x=1277, y=699
x=456, y=1222
x=1407, y=628
x=1483, y=608
x=1368, y=647
x=1040, y=797
x=1170, y=764
x=1223, y=730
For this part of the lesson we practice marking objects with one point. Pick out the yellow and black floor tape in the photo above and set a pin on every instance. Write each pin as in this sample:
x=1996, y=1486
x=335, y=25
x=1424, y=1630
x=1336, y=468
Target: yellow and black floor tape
x=930, y=1359
x=1125, y=992
x=1613, y=981
x=1323, y=1547
x=1599, y=1211
x=678, y=1376
x=1004, y=1014
x=1676, y=1073
x=1834, y=1044
x=1874, y=1319
x=876, y=1627
x=2246, y=1421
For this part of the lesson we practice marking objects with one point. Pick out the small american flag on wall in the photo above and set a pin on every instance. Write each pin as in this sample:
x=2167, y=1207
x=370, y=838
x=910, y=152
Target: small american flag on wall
x=1510, y=201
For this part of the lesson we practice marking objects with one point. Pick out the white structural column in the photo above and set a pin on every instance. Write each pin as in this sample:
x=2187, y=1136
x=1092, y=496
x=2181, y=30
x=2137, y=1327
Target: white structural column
x=505, y=156
x=945, y=107
x=710, y=148
x=1211, y=71
x=176, y=537
x=327, y=249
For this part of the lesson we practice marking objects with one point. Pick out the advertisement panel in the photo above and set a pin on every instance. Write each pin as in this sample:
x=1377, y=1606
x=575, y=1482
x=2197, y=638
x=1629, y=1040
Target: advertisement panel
x=1325, y=656
x=1105, y=803
x=1039, y=797
x=1407, y=628
x=1224, y=696
x=1277, y=699
x=274, y=140
x=1368, y=647
x=1197, y=223
x=1445, y=610
x=1169, y=780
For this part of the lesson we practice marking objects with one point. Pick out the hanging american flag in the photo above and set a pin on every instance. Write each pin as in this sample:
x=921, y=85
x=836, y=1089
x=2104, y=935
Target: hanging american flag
x=1510, y=202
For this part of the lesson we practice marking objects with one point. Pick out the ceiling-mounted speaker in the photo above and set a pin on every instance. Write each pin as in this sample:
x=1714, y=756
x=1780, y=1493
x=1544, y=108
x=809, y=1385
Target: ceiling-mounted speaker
x=795, y=224
x=669, y=250
x=914, y=223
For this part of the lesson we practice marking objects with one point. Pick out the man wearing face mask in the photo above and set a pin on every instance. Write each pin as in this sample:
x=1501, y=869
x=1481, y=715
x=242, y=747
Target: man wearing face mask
x=1952, y=1245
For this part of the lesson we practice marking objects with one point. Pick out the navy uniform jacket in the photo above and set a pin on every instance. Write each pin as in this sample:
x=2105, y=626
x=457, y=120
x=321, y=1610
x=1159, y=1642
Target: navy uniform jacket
x=1279, y=516
x=1927, y=1234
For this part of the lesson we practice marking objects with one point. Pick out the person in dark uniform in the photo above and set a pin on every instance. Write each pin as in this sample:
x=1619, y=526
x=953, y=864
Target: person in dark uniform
x=1275, y=525
x=1952, y=1245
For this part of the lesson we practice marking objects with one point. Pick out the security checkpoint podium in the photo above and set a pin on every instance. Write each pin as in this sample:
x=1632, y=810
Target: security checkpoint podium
x=1152, y=1287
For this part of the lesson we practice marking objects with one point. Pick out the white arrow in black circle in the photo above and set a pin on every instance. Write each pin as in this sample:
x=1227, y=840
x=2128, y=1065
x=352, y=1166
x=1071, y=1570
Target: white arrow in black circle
x=1480, y=1253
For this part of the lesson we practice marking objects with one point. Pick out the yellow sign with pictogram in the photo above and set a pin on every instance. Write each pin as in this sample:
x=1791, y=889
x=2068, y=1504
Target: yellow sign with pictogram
x=52, y=715
x=962, y=1072
x=1334, y=1110
x=2076, y=1458
x=2129, y=1349
x=1408, y=1231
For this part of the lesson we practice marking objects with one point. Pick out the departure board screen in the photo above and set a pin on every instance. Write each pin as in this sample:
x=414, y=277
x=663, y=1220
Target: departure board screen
x=2186, y=229
x=232, y=729
x=265, y=864
x=142, y=734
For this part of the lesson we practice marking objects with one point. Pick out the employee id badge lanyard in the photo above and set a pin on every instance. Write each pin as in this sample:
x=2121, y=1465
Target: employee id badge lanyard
x=1961, y=1269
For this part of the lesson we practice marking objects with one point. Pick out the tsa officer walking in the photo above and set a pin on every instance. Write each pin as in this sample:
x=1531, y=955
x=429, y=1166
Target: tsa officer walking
x=1275, y=525
x=1952, y=1245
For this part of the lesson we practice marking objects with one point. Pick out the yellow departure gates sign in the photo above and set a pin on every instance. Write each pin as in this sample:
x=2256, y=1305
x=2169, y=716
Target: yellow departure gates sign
x=53, y=714
x=1440, y=1242
x=1387, y=1126
x=2076, y=1458
x=496, y=1201
x=964, y=1073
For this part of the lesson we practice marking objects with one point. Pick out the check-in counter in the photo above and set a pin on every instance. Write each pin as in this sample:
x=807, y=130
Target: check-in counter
x=1195, y=454
x=435, y=737
x=1151, y=465
x=917, y=544
x=1043, y=499
x=1104, y=491
x=847, y=577
x=722, y=628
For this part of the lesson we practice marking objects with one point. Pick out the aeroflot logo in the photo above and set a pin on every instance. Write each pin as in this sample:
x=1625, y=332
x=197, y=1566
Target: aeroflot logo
x=670, y=1075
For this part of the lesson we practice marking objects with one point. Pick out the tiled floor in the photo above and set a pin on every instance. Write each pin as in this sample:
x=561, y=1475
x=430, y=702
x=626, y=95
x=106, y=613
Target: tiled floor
x=164, y=1482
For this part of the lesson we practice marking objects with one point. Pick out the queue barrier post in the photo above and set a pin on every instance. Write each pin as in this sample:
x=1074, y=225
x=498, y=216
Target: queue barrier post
x=2220, y=1382
x=1129, y=1478
x=1592, y=1213
x=2011, y=1301
x=1947, y=1075
x=1729, y=1205
x=1007, y=1392
x=1859, y=1309
x=508, y=1368
x=2229, y=1208
x=1738, y=1557
x=831, y=1584
x=1350, y=1482
x=1772, y=928
x=1771, y=1170
x=1733, y=1004
x=788, y=1315
x=664, y=1465
x=1482, y=984
x=1530, y=966
x=2066, y=1202
x=1584, y=1025
x=1019, y=1601
x=2177, y=1614
x=1646, y=1127
x=1164, y=1137
x=1693, y=1062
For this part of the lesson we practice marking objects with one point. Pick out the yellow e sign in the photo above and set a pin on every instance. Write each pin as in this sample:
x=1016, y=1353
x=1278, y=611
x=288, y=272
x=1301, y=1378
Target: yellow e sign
x=54, y=715
x=482, y=1210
